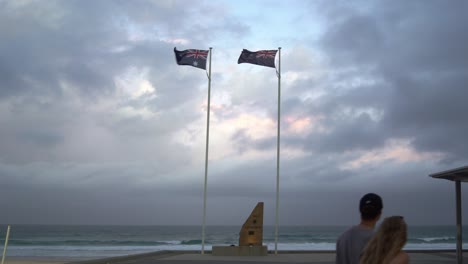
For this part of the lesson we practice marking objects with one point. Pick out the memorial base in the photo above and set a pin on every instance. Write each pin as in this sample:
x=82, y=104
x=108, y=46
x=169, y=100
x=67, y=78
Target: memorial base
x=240, y=251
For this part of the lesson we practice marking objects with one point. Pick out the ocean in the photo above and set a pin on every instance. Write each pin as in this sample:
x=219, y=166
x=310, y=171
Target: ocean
x=107, y=241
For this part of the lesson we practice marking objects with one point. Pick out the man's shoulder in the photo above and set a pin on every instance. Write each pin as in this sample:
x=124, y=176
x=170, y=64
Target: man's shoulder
x=356, y=229
x=347, y=233
x=359, y=229
x=354, y=232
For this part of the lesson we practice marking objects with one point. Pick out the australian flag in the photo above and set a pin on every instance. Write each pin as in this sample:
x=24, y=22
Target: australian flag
x=192, y=57
x=261, y=57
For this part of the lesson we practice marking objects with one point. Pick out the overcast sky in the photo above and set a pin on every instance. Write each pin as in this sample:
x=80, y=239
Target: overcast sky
x=99, y=125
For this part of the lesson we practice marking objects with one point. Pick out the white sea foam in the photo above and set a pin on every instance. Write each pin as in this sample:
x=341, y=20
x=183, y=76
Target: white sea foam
x=444, y=238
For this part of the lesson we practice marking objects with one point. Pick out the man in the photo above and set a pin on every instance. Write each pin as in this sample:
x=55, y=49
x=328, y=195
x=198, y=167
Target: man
x=352, y=242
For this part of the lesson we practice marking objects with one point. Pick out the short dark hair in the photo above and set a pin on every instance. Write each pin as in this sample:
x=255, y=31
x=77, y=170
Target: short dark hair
x=370, y=206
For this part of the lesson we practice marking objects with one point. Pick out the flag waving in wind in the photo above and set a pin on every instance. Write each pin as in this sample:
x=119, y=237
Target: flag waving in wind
x=261, y=57
x=192, y=57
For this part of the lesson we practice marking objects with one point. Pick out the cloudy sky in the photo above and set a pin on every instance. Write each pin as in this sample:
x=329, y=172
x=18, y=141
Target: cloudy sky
x=99, y=125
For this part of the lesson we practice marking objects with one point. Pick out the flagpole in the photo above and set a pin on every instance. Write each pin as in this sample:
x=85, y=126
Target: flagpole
x=278, y=151
x=206, y=155
x=6, y=244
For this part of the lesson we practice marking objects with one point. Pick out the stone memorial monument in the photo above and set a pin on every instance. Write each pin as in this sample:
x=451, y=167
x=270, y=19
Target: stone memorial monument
x=251, y=233
x=250, y=237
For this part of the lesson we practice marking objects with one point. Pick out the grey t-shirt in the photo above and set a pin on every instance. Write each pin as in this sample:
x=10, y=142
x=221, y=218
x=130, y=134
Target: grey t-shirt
x=351, y=244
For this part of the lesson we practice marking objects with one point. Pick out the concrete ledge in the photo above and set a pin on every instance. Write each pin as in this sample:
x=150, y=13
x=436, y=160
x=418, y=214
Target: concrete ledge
x=135, y=257
x=283, y=256
x=239, y=251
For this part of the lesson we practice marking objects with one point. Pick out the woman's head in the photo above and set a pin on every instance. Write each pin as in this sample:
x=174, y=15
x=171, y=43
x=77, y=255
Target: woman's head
x=387, y=242
x=393, y=227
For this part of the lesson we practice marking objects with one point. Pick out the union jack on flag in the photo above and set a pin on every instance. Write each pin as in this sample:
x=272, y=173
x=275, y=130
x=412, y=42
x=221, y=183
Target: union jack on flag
x=261, y=57
x=266, y=54
x=192, y=57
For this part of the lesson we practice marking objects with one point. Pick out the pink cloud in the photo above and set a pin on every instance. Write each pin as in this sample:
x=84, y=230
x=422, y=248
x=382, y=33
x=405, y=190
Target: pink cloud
x=304, y=125
x=399, y=151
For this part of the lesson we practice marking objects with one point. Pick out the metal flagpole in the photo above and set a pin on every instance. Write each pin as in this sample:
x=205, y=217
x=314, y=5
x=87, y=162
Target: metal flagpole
x=206, y=155
x=278, y=150
x=6, y=244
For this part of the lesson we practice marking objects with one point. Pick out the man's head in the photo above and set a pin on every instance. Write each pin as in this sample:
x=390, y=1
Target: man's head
x=370, y=206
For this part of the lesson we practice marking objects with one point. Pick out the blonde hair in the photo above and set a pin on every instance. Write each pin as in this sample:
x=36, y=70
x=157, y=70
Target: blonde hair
x=386, y=243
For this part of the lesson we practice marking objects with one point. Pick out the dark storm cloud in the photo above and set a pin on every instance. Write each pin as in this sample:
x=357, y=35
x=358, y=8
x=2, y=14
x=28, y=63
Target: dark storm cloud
x=432, y=111
x=39, y=50
x=406, y=60
x=50, y=48
x=394, y=70
x=75, y=45
x=355, y=39
x=74, y=40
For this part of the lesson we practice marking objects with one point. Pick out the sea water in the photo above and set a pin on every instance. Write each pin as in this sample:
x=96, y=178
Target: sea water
x=106, y=241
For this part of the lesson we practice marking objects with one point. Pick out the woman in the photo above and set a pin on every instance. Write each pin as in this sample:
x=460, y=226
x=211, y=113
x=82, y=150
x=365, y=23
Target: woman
x=386, y=245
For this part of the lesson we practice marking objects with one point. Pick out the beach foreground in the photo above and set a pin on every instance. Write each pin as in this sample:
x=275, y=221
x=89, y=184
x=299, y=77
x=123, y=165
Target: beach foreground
x=192, y=257
x=33, y=261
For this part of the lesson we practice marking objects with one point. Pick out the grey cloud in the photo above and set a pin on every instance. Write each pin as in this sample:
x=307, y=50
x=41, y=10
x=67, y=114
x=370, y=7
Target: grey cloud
x=65, y=160
x=72, y=44
x=419, y=68
x=243, y=142
x=75, y=46
x=356, y=39
x=40, y=138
